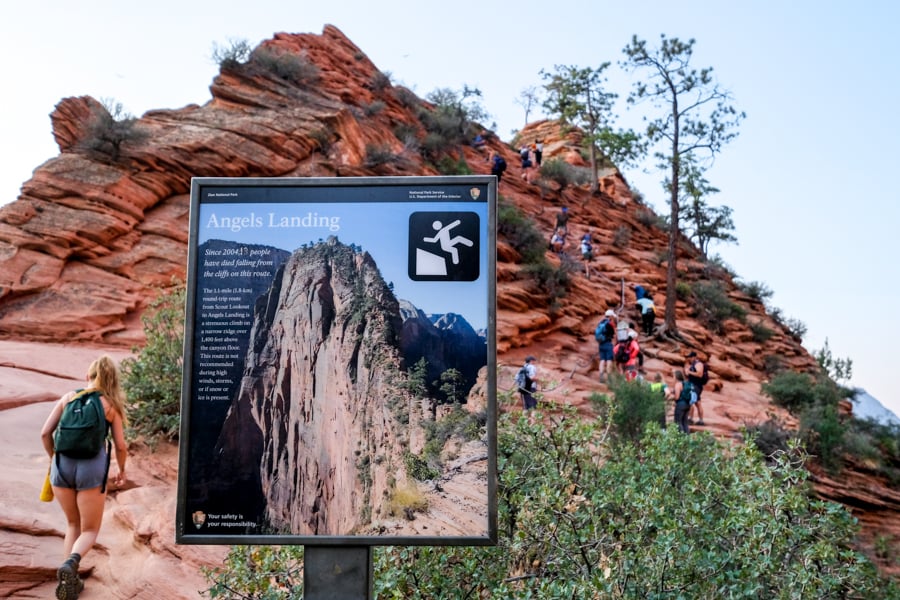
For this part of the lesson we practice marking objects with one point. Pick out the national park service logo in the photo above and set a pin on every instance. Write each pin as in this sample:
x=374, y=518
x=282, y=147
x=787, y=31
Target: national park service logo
x=475, y=193
x=199, y=518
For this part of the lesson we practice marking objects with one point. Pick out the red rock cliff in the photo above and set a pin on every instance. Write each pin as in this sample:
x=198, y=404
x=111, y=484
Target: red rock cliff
x=88, y=240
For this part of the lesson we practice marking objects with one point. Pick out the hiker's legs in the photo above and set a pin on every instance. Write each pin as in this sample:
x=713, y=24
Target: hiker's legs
x=681, y=413
x=66, y=499
x=90, y=507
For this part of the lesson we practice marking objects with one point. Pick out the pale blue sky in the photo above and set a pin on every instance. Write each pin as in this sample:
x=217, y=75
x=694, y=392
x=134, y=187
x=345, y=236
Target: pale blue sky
x=811, y=177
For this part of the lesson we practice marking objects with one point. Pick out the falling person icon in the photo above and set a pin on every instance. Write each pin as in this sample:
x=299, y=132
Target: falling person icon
x=448, y=244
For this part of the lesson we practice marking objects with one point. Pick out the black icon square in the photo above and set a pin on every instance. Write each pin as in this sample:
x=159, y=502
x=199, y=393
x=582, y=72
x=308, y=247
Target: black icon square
x=444, y=246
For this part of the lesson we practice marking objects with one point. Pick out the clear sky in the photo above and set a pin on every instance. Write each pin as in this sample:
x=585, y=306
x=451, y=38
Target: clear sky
x=811, y=178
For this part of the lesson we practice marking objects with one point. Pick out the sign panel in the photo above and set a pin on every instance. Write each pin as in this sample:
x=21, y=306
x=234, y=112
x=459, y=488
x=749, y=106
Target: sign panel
x=340, y=362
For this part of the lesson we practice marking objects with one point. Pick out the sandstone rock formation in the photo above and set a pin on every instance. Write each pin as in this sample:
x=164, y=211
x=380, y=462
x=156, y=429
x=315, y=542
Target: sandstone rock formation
x=88, y=241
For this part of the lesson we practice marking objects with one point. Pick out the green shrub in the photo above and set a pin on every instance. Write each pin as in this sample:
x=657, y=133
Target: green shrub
x=714, y=307
x=152, y=380
x=447, y=165
x=294, y=68
x=323, y=138
x=521, y=233
x=796, y=328
x=823, y=433
x=418, y=467
x=559, y=171
x=791, y=390
x=760, y=332
x=683, y=290
x=677, y=516
x=755, y=289
x=770, y=438
x=622, y=236
x=377, y=156
x=380, y=81
x=636, y=405
x=232, y=56
x=373, y=108
x=109, y=130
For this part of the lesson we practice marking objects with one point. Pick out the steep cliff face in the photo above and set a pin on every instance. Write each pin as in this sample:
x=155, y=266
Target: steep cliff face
x=85, y=242
x=445, y=341
x=312, y=409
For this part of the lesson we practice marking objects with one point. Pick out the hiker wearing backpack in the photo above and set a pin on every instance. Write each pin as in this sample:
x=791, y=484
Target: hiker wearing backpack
x=698, y=376
x=526, y=382
x=562, y=219
x=605, y=333
x=587, y=253
x=683, y=394
x=625, y=355
x=498, y=165
x=648, y=313
x=75, y=437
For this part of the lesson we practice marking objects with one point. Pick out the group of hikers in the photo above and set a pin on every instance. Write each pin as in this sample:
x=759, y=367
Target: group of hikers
x=530, y=155
x=559, y=240
x=619, y=352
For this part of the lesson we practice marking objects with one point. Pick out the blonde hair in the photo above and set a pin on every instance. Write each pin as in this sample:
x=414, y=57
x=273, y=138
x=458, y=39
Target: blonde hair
x=104, y=376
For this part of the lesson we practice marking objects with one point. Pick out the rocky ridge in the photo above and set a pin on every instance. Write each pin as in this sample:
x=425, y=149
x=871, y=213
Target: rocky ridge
x=85, y=246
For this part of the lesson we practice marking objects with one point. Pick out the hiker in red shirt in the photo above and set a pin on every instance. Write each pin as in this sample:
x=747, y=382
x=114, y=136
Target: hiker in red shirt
x=625, y=355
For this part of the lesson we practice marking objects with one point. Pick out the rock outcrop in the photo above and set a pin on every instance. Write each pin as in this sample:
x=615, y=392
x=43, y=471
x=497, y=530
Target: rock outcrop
x=88, y=242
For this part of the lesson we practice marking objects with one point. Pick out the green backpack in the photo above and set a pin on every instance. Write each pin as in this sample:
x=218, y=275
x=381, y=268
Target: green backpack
x=82, y=426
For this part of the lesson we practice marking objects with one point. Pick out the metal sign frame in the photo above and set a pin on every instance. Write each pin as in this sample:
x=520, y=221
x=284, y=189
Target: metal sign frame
x=431, y=238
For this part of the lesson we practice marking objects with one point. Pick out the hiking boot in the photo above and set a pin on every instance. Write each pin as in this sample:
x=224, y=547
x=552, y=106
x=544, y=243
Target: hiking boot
x=690, y=421
x=700, y=422
x=70, y=584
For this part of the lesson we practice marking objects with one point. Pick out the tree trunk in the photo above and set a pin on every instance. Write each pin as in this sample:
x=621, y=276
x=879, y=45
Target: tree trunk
x=672, y=269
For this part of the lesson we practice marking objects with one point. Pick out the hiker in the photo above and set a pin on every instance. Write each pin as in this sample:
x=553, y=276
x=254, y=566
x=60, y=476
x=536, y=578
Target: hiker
x=498, y=165
x=526, y=381
x=587, y=253
x=604, y=333
x=562, y=219
x=79, y=484
x=479, y=142
x=639, y=292
x=658, y=386
x=697, y=375
x=538, y=148
x=558, y=241
x=525, y=155
x=648, y=313
x=682, y=394
x=625, y=354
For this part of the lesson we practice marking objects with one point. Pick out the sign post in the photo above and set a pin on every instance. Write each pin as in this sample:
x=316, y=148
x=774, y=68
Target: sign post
x=330, y=322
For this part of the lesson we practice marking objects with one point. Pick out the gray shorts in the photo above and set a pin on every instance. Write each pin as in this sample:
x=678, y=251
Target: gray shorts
x=79, y=473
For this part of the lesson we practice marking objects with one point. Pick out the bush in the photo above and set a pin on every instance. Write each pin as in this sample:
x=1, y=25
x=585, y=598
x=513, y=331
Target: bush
x=635, y=406
x=678, y=516
x=796, y=328
x=232, y=56
x=152, y=381
x=713, y=305
x=109, y=129
x=791, y=390
x=761, y=333
x=757, y=290
x=559, y=171
x=770, y=438
x=823, y=433
x=622, y=236
x=521, y=233
x=294, y=68
x=377, y=156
